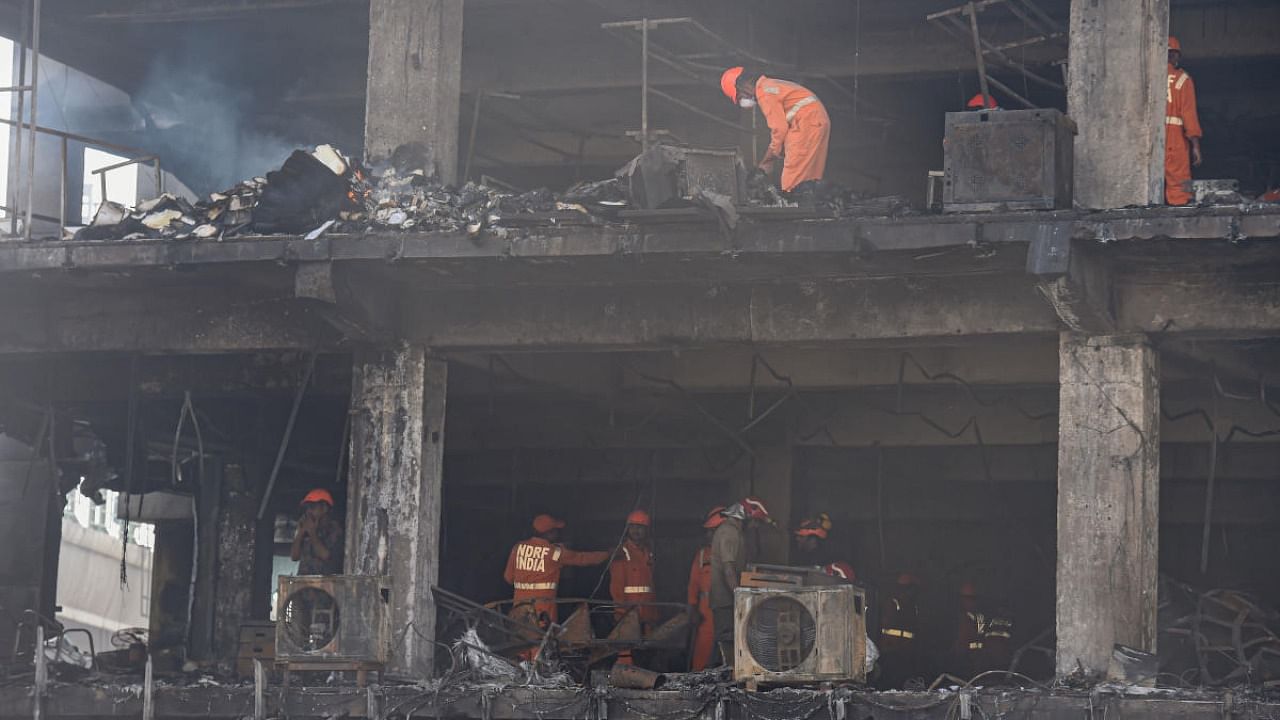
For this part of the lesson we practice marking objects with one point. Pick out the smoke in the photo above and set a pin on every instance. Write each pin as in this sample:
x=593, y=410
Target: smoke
x=195, y=105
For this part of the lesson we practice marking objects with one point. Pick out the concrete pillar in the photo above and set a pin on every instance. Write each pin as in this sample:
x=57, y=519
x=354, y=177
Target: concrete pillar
x=414, y=81
x=769, y=478
x=1108, y=498
x=235, y=566
x=1116, y=95
x=393, y=496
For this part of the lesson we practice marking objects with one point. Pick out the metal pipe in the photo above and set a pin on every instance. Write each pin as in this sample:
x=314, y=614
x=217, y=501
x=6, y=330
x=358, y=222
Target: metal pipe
x=972, y=11
x=288, y=432
x=11, y=171
x=77, y=138
x=15, y=88
x=159, y=176
x=1010, y=92
x=62, y=189
x=471, y=139
x=644, y=84
x=697, y=110
x=124, y=163
x=35, y=96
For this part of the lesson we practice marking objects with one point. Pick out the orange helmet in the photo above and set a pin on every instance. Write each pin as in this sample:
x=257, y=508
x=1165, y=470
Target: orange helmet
x=714, y=518
x=1174, y=44
x=967, y=589
x=842, y=570
x=817, y=527
x=908, y=579
x=976, y=102
x=729, y=82
x=638, y=517
x=318, y=495
x=545, y=523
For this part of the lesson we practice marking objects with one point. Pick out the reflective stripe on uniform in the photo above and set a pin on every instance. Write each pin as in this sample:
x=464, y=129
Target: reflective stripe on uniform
x=791, y=114
x=997, y=634
x=535, y=586
x=894, y=632
x=975, y=646
x=1181, y=81
x=626, y=552
x=637, y=589
x=555, y=554
x=1170, y=120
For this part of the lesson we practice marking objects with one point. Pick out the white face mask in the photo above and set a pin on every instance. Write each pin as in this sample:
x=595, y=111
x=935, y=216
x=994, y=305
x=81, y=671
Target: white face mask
x=746, y=103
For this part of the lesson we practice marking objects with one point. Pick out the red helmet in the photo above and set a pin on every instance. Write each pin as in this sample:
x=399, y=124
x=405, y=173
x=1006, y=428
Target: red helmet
x=714, y=518
x=546, y=523
x=976, y=102
x=967, y=589
x=638, y=517
x=842, y=570
x=729, y=82
x=755, y=509
x=1174, y=44
x=318, y=495
x=908, y=579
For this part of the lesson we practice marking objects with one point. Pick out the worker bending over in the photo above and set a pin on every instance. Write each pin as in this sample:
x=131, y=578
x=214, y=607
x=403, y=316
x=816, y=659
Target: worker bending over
x=799, y=129
x=631, y=577
x=700, y=595
x=534, y=566
x=1181, y=130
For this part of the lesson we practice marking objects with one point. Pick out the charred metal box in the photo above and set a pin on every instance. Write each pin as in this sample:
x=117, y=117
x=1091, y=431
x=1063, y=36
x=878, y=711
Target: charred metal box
x=333, y=618
x=1008, y=160
x=666, y=176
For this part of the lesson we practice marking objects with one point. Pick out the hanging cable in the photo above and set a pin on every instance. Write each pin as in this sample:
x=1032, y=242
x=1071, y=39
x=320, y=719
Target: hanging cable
x=130, y=444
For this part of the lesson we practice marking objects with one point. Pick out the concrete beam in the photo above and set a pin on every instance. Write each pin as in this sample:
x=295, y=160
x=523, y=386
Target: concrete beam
x=1108, y=492
x=414, y=80
x=1116, y=95
x=393, y=489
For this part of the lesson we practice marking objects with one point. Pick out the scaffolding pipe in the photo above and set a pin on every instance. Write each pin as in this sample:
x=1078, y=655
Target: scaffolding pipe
x=644, y=84
x=35, y=96
x=11, y=171
x=977, y=53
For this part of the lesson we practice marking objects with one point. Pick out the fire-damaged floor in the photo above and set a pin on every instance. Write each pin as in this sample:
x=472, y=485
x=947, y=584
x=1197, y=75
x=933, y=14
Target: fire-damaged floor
x=712, y=702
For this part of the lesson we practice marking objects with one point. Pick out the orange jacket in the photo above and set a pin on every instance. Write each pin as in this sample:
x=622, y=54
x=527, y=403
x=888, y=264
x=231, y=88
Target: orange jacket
x=780, y=101
x=1181, y=109
x=534, y=566
x=631, y=579
x=700, y=581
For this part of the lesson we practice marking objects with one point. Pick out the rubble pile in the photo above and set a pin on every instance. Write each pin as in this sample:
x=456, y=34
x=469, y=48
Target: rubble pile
x=324, y=190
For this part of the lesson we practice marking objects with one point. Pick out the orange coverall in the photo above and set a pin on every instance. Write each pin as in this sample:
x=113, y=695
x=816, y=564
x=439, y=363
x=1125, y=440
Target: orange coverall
x=534, y=569
x=1180, y=124
x=631, y=581
x=700, y=595
x=799, y=129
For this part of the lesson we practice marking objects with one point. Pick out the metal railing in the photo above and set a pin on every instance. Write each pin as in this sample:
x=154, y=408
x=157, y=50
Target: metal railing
x=23, y=89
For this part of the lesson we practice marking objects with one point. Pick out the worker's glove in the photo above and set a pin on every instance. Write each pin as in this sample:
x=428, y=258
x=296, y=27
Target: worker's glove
x=767, y=165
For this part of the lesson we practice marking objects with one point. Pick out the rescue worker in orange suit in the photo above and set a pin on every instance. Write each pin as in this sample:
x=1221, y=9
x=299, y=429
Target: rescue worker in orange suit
x=317, y=545
x=533, y=569
x=968, y=658
x=899, y=628
x=728, y=560
x=799, y=129
x=1181, y=130
x=704, y=640
x=811, y=540
x=631, y=577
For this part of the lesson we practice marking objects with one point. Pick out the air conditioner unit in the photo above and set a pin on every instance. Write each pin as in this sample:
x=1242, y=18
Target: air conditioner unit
x=333, y=619
x=800, y=635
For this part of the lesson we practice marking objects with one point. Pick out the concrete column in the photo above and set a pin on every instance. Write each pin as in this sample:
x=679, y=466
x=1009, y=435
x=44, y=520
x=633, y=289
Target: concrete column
x=1116, y=95
x=235, y=566
x=769, y=478
x=1108, y=498
x=414, y=81
x=393, y=496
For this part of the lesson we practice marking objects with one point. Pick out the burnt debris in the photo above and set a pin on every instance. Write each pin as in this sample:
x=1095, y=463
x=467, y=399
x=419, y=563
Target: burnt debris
x=323, y=190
